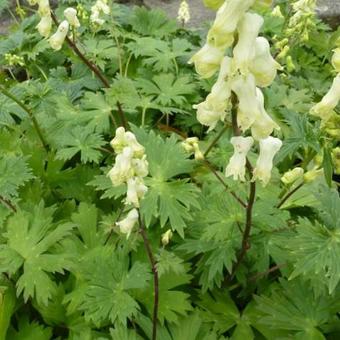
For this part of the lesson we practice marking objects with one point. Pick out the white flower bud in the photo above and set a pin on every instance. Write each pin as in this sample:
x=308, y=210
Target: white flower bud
x=312, y=175
x=44, y=8
x=222, y=31
x=57, y=39
x=248, y=109
x=122, y=169
x=248, y=29
x=263, y=125
x=166, y=237
x=276, y=12
x=136, y=189
x=329, y=101
x=45, y=25
x=191, y=145
x=264, y=165
x=71, y=16
x=124, y=139
x=263, y=66
x=126, y=225
x=336, y=60
x=292, y=176
x=237, y=162
x=207, y=60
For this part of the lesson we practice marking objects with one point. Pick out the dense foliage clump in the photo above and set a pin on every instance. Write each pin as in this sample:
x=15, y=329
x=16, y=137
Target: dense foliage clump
x=138, y=200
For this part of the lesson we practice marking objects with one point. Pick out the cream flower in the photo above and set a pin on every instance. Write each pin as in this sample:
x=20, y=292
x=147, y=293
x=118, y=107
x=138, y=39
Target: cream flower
x=136, y=189
x=126, y=225
x=191, y=145
x=126, y=138
x=122, y=169
x=229, y=14
x=263, y=66
x=237, y=162
x=166, y=237
x=140, y=166
x=329, y=101
x=216, y=104
x=57, y=39
x=244, y=51
x=336, y=60
x=103, y=6
x=99, y=7
x=44, y=8
x=248, y=110
x=263, y=125
x=264, y=165
x=207, y=60
x=45, y=25
x=292, y=176
x=71, y=16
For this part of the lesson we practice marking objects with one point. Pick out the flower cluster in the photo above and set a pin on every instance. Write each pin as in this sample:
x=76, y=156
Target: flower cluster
x=130, y=168
x=302, y=20
x=13, y=59
x=190, y=145
x=183, y=12
x=45, y=24
x=240, y=79
x=97, y=10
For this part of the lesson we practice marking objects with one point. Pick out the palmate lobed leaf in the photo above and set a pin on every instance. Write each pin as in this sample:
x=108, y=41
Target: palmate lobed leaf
x=30, y=237
x=15, y=172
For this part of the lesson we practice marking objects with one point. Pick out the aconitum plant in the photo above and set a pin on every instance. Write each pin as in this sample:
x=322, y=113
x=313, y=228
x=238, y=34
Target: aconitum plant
x=169, y=183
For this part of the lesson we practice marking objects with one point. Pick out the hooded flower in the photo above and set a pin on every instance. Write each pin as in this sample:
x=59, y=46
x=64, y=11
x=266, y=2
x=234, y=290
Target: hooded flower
x=263, y=125
x=99, y=7
x=122, y=169
x=45, y=25
x=248, y=29
x=136, y=189
x=216, y=104
x=248, y=110
x=263, y=66
x=71, y=16
x=264, y=165
x=126, y=138
x=207, y=60
x=126, y=225
x=229, y=14
x=237, y=163
x=44, y=8
x=292, y=176
x=57, y=39
x=329, y=101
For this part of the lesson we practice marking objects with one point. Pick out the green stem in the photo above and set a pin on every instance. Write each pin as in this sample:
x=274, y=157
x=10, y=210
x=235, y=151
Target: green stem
x=216, y=139
x=30, y=114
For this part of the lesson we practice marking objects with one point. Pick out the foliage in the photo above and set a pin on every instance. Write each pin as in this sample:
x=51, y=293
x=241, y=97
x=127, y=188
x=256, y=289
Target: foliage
x=67, y=272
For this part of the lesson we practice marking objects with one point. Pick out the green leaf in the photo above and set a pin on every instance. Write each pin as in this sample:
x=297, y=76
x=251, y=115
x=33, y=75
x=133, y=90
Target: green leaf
x=82, y=140
x=327, y=165
x=316, y=251
x=170, y=200
x=7, y=306
x=14, y=173
x=30, y=330
x=293, y=306
x=30, y=237
x=105, y=290
x=151, y=22
x=168, y=89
